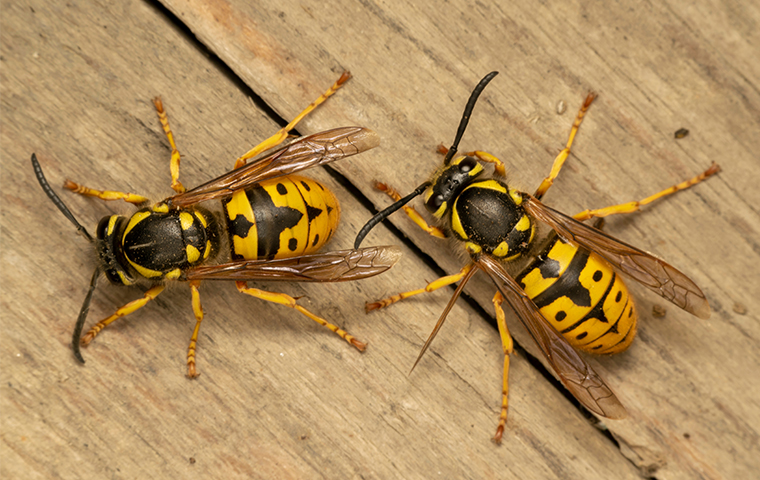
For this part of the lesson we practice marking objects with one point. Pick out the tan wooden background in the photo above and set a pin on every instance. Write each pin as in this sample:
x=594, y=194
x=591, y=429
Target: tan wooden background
x=278, y=397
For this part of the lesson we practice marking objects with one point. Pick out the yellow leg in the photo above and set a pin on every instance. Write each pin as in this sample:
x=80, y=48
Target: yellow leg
x=282, y=134
x=634, y=206
x=410, y=211
x=174, y=162
x=560, y=160
x=198, y=311
x=506, y=342
x=289, y=301
x=432, y=286
x=106, y=195
x=123, y=311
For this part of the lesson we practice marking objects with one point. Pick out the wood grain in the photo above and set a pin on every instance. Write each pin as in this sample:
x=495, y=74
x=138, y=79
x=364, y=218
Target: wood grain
x=279, y=397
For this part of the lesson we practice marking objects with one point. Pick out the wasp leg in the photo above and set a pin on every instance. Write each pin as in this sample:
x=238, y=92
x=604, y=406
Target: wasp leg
x=506, y=342
x=410, y=211
x=634, y=206
x=282, y=134
x=106, y=195
x=289, y=301
x=499, y=168
x=432, y=286
x=198, y=311
x=123, y=311
x=560, y=160
x=174, y=162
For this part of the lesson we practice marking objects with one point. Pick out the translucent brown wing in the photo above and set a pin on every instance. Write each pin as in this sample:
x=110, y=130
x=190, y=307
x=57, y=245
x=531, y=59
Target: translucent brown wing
x=318, y=149
x=653, y=273
x=338, y=266
x=577, y=375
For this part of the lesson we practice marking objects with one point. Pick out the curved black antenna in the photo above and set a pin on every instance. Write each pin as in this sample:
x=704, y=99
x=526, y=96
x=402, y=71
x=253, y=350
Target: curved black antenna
x=382, y=215
x=55, y=199
x=93, y=283
x=75, y=341
x=466, y=116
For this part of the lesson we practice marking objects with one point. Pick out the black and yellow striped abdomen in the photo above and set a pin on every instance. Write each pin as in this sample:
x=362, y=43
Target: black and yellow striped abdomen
x=279, y=218
x=582, y=297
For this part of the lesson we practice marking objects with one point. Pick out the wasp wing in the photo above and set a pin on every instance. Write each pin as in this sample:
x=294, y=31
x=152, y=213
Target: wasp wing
x=306, y=152
x=577, y=375
x=338, y=266
x=655, y=274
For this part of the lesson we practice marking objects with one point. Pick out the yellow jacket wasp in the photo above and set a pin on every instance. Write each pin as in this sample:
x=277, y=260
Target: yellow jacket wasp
x=570, y=295
x=272, y=221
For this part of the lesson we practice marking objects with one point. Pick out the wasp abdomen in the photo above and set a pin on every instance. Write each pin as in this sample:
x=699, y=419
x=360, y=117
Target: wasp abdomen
x=280, y=218
x=582, y=297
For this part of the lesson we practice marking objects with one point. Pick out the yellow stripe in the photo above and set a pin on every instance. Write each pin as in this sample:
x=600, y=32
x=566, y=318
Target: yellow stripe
x=247, y=247
x=134, y=220
x=489, y=184
x=145, y=272
x=456, y=223
x=111, y=224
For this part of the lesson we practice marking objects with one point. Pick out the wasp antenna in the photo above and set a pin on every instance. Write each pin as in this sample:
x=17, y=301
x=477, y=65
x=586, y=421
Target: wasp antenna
x=466, y=116
x=382, y=215
x=55, y=199
x=76, y=339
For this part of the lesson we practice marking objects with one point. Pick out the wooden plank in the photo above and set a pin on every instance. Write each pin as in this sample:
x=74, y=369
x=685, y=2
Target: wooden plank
x=278, y=397
x=657, y=68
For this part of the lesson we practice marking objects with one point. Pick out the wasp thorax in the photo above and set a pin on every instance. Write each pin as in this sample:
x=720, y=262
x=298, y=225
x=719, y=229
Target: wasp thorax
x=449, y=182
x=488, y=216
x=160, y=243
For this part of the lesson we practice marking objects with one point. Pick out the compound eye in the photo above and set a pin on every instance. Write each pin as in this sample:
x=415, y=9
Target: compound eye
x=467, y=164
x=113, y=277
x=435, y=202
x=102, y=227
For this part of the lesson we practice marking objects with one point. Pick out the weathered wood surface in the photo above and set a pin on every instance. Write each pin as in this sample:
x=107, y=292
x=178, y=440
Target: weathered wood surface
x=280, y=397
